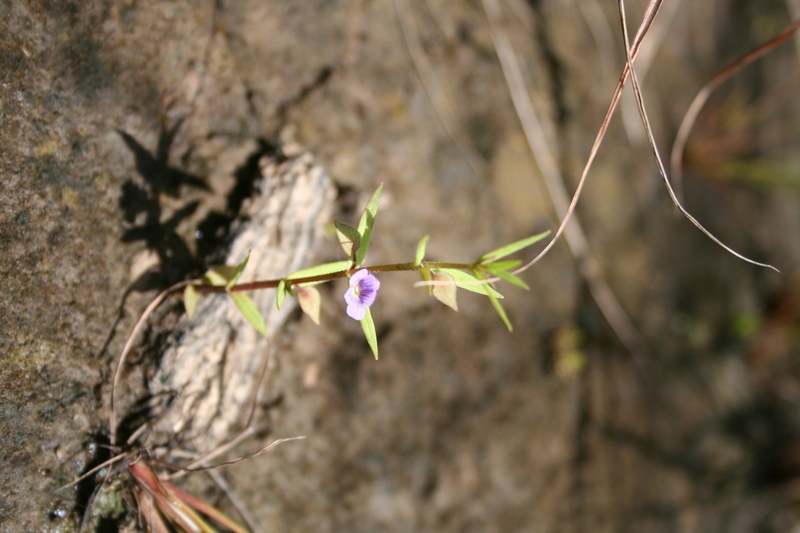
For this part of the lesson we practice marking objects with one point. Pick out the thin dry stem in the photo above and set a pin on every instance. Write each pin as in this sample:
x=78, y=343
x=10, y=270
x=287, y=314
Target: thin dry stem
x=216, y=452
x=676, y=157
x=129, y=345
x=649, y=15
x=644, y=60
x=651, y=138
x=265, y=449
x=237, y=503
x=94, y=470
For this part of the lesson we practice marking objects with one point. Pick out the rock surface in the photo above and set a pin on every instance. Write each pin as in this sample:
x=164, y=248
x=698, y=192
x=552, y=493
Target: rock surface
x=126, y=127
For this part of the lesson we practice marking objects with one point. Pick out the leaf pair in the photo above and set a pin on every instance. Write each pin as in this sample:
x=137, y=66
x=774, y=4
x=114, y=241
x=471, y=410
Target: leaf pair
x=486, y=266
x=307, y=295
x=453, y=278
x=355, y=241
x=227, y=276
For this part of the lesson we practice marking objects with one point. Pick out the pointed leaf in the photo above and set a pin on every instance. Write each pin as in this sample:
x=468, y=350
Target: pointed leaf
x=368, y=325
x=468, y=282
x=509, y=249
x=320, y=270
x=445, y=293
x=349, y=238
x=310, y=300
x=425, y=274
x=206, y=509
x=190, y=300
x=249, y=310
x=280, y=294
x=511, y=278
x=496, y=305
x=501, y=312
x=238, y=272
x=219, y=276
x=421, y=250
x=500, y=265
x=366, y=223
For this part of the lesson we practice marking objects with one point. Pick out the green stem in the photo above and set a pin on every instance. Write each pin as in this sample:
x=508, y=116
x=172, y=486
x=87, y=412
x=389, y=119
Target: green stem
x=273, y=283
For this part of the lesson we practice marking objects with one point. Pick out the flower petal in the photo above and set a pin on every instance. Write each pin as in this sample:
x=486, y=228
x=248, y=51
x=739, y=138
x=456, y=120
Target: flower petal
x=361, y=294
x=356, y=311
x=368, y=291
x=351, y=297
x=358, y=276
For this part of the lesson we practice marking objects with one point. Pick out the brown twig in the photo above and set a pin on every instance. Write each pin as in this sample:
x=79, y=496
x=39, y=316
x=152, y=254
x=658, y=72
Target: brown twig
x=661, y=169
x=152, y=306
x=676, y=157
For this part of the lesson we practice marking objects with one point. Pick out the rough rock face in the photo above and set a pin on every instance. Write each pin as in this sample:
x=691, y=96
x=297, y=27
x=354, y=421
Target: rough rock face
x=127, y=127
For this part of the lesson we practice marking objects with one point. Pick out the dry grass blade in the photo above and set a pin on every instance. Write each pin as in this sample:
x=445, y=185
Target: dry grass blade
x=551, y=174
x=203, y=507
x=129, y=345
x=676, y=157
x=651, y=138
x=165, y=500
x=433, y=88
x=644, y=60
x=149, y=517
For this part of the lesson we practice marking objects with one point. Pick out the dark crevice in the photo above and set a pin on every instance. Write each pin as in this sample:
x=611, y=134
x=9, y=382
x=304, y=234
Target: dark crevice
x=216, y=226
x=305, y=91
x=555, y=70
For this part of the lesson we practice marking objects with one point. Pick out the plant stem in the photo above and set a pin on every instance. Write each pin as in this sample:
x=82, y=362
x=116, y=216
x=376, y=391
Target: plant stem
x=272, y=283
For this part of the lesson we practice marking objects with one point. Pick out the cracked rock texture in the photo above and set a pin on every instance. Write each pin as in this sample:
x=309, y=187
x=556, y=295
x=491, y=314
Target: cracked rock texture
x=130, y=135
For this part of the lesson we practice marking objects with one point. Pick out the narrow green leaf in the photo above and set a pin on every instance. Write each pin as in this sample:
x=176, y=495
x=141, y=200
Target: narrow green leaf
x=421, y=250
x=445, y=293
x=468, y=282
x=310, y=301
x=511, y=278
x=219, y=276
x=190, y=300
x=249, y=310
x=280, y=294
x=501, y=312
x=368, y=326
x=349, y=238
x=500, y=265
x=320, y=270
x=496, y=305
x=509, y=249
x=426, y=274
x=366, y=223
x=238, y=272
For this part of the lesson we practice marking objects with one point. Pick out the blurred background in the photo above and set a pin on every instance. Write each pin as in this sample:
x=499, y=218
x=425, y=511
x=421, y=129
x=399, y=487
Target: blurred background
x=667, y=403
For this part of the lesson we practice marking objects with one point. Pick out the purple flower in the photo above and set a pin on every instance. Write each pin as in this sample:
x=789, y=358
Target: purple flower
x=361, y=294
